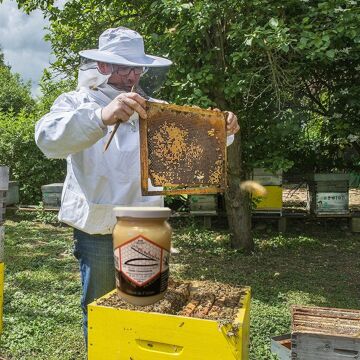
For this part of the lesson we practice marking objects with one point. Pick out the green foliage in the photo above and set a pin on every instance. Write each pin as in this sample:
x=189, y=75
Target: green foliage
x=176, y=202
x=14, y=93
x=50, y=90
x=282, y=66
x=27, y=164
x=45, y=216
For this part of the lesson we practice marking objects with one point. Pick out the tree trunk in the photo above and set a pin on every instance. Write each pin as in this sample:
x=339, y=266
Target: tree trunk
x=237, y=201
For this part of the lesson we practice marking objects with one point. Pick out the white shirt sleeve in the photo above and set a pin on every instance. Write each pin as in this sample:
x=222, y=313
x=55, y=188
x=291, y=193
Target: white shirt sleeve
x=229, y=140
x=72, y=125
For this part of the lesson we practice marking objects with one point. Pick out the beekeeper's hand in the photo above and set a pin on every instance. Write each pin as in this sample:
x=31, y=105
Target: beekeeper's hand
x=232, y=125
x=122, y=107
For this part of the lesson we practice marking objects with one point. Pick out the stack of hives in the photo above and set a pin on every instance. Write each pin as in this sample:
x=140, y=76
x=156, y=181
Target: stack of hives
x=320, y=333
x=4, y=185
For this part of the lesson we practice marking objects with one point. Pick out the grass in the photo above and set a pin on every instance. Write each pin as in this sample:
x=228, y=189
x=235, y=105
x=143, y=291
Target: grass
x=313, y=264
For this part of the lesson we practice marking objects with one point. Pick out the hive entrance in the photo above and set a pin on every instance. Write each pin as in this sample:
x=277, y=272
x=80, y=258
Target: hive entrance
x=183, y=150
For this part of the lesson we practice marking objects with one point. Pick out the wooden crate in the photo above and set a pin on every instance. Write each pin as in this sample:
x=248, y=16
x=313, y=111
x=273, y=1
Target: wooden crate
x=325, y=333
x=118, y=334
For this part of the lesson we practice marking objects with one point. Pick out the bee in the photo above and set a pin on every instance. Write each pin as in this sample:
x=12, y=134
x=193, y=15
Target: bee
x=253, y=188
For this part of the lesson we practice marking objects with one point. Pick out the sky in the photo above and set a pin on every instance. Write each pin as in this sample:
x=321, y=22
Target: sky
x=22, y=43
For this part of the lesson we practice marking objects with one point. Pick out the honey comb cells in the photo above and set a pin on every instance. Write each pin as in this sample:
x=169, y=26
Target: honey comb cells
x=183, y=149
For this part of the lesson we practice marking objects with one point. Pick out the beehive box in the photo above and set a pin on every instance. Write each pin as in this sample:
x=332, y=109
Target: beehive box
x=272, y=201
x=355, y=224
x=199, y=203
x=51, y=195
x=1, y=294
x=2, y=206
x=172, y=329
x=328, y=194
x=265, y=177
x=4, y=186
x=2, y=234
x=12, y=196
x=281, y=346
x=325, y=333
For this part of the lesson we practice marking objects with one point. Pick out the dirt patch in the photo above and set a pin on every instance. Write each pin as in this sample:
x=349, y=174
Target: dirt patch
x=198, y=299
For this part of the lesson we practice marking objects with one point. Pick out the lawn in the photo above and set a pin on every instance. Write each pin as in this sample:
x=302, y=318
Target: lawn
x=315, y=263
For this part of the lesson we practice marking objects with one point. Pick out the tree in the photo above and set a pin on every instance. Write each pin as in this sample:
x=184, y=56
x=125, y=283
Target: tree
x=288, y=68
x=15, y=95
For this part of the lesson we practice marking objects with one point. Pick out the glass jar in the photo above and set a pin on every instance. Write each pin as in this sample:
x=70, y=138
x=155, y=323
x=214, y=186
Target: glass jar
x=141, y=239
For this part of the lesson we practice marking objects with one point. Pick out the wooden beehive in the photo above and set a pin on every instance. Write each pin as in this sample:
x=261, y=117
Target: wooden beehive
x=183, y=150
x=126, y=332
x=1, y=294
x=325, y=333
x=328, y=194
x=4, y=187
x=51, y=195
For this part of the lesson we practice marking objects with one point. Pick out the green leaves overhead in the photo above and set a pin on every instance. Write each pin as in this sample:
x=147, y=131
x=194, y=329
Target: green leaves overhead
x=14, y=93
x=280, y=65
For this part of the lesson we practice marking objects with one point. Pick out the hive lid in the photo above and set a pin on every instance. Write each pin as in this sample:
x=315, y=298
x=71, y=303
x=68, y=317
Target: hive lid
x=142, y=212
x=329, y=177
x=52, y=187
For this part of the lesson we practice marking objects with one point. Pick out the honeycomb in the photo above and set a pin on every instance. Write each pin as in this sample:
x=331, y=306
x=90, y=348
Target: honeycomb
x=183, y=148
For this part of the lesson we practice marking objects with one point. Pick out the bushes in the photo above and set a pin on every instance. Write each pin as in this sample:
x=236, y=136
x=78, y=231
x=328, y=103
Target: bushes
x=27, y=163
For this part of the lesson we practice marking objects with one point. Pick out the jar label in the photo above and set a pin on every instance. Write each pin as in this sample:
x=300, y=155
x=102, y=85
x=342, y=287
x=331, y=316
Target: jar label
x=142, y=267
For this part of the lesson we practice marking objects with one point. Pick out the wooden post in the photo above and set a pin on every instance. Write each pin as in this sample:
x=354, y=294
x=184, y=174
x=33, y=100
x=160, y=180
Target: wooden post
x=4, y=186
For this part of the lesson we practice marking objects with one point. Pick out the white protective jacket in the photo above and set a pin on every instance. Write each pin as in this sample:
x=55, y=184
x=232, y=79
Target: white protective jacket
x=96, y=181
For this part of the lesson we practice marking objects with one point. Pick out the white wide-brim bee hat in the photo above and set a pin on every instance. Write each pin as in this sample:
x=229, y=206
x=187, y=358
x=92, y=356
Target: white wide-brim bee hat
x=123, y=46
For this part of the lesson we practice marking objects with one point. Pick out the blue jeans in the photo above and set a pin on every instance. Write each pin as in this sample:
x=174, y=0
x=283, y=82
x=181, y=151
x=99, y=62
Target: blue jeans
x=96, y=260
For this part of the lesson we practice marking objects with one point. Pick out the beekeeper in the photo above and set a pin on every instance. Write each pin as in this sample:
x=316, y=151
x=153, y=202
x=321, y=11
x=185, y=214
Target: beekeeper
x=78, y=127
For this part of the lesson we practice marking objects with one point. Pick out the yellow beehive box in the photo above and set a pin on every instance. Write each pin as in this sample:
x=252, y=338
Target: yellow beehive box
x=1, y=295
x=117, y=334
x=272, y=201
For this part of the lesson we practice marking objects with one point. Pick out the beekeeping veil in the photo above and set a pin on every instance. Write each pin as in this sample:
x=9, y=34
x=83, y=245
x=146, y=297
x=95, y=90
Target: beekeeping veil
x=122, y=46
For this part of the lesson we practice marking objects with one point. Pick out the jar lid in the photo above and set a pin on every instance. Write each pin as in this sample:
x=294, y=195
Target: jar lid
x=142, y=212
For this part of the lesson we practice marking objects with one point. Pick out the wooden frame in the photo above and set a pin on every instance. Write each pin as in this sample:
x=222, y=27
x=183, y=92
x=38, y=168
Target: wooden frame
x=208, y=122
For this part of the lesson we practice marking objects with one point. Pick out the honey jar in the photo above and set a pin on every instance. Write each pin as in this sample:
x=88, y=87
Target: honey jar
x=141, y=239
